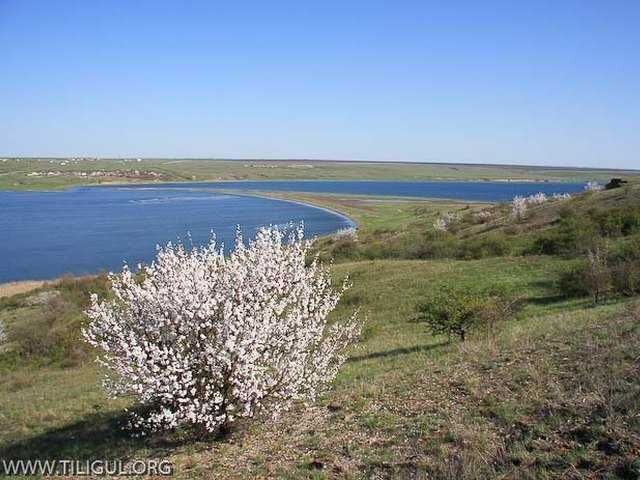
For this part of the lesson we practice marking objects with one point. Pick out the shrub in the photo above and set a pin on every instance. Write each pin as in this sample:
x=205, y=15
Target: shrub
x=560, y=196
x=571, y=283
x=454, y=311
x=3, y=334
x=593, y=276
x=597, y=275
x=625, y=269
x=345, y=248
x=519, y=207
x=617, y=222
x=573, y=236
x=483, y=216
x=78, y=290
x=593, y=187
x=567, y=210
x=205, y=339
x=451, y=311
x=431, y=244
x=42, y=336
x=498, y=308
x=495, y=245
x=447, y=222
x=625, y=278
x=546, y=245
x=379, y=249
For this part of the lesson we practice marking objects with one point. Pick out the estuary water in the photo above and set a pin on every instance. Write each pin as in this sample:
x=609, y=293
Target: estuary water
x=87, y=230
x=91, y=229
x=471, y=191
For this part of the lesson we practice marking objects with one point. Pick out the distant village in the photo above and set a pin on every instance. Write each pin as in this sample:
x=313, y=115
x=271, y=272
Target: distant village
x=99, y=173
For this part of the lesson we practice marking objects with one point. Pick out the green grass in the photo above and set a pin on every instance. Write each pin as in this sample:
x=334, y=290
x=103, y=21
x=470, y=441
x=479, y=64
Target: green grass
x=51, y=411
x=14, y=173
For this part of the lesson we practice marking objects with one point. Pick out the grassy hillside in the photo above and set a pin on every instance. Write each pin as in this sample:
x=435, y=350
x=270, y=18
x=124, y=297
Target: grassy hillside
x=551, y=393
x=21, y=174
x=403, y=229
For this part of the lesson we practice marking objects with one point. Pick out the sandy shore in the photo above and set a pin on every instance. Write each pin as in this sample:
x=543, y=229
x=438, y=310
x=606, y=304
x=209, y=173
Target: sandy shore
x=13, y=288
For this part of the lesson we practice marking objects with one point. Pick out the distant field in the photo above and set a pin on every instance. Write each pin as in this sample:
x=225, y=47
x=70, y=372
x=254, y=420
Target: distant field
x=36, y=174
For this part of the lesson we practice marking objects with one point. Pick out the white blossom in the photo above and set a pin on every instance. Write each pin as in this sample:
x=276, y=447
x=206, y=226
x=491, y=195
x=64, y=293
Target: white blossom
x=440, y=224
x=593, y=186
x=537, y=199
x=483, y=216
x=202, y=339
x=445, y=221
x=346, y=233
x=561, y=196
x=519, y=207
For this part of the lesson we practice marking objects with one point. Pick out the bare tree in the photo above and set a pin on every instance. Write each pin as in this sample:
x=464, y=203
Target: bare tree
x=597, y=274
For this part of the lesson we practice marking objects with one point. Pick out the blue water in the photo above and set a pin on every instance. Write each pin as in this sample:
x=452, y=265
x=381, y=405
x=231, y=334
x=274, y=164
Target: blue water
x=92, y=229
x=472, y=191
x=86, y=230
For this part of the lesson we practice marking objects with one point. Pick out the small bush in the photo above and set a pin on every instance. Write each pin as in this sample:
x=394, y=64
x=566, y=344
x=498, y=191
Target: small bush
x=483, y=216
x=593, y=276
x=625, y=278
x=345, y=248
x=625, y=268
x=451, y=312
x=454, y=311
x=495, y=245
x=597, y=274
x=573, y=236
x=376, y=250
x=570, y=282
x=566, y=211
x=617, y=222
x=78, y=290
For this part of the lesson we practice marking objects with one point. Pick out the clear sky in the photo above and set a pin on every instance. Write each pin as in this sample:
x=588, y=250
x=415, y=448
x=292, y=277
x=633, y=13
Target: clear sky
x=544, y=82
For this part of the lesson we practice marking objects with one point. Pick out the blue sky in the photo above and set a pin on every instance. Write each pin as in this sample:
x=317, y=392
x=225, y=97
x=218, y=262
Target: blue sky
x=548, y=83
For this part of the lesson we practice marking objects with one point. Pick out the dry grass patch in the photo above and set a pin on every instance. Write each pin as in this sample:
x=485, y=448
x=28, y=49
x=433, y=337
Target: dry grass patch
x=14, y=288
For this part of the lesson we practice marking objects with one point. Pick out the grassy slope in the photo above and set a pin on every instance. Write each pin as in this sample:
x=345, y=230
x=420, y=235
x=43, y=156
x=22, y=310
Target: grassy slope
x=553, y=394
x=13, y=174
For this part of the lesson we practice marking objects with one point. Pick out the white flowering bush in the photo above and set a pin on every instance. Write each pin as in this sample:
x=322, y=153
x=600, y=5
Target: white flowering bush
x=593, y=187
x=519, y=206
x=536, y=199
x=203, y=339
x=561, y=196
x=3, y=334
x=483, y=216
x=445, y=221
x=346, y=234
x=440, y=224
